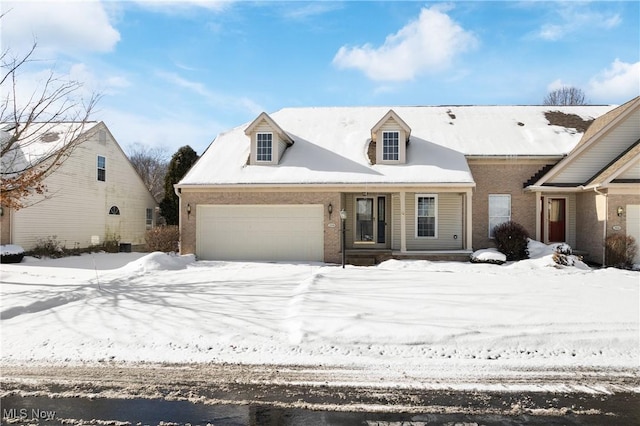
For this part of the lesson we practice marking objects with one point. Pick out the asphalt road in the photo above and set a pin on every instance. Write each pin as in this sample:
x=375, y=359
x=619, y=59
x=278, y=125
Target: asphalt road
x=227, y=394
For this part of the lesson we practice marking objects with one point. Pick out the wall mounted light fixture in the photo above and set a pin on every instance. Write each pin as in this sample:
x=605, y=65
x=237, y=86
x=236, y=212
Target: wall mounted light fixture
x=188, y=209
x=620, y=211
x=330, y=209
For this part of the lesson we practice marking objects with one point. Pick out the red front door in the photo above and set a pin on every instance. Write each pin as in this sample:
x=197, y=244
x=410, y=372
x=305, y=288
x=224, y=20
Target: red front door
x=557, y=220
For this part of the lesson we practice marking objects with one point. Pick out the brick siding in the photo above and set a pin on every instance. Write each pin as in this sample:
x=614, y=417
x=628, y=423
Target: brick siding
x=502, y=177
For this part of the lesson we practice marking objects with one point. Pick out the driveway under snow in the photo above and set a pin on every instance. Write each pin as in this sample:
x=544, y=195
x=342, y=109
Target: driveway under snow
x=400, y=317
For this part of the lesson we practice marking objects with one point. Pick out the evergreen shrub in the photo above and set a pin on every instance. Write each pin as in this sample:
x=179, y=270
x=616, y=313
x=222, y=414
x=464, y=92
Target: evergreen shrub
x=511, y=239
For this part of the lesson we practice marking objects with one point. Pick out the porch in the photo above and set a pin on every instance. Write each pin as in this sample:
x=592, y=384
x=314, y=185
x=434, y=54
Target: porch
x=426, y=224
x=370, y=257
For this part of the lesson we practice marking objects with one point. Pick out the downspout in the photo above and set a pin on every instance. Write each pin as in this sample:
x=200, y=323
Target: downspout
x=178, y=192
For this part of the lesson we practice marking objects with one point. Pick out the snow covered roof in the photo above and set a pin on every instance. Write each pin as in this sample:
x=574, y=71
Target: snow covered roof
x=331, y=143
x=38, y=142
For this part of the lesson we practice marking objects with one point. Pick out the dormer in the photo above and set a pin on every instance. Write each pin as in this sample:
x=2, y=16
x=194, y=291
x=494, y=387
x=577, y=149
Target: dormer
x=391, y=136
x=268, y=141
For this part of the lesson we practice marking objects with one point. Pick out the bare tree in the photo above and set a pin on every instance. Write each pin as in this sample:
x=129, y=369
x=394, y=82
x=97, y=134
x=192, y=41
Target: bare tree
x=565, y=95
x=151, y=164
x=54, y=113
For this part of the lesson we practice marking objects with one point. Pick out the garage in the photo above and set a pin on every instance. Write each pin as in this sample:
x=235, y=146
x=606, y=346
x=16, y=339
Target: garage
x=633, y=225
x=260, y=232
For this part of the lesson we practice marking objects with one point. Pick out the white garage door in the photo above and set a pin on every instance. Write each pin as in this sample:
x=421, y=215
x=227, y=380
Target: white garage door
x=633, y=225
x=260, y=232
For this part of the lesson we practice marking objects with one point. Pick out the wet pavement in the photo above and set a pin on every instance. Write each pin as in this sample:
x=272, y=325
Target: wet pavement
x=463, y=409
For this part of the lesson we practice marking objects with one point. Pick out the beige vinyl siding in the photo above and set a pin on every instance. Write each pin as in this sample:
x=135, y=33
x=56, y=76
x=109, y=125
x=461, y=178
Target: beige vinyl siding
x=598, y=155
x=77, y=204
x=632, y=172
x=449, y=222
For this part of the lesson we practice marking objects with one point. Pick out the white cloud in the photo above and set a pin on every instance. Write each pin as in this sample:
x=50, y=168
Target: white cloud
x=179, y=6
x=304, y=10
x=619, y=83
x=58, y=26
x=427, y=44
x=574, y=17
x=216, y=99
x=557, y=84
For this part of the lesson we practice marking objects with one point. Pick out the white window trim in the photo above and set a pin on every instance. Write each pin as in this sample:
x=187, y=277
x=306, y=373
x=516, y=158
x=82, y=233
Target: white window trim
x=435, y=234
x=491, y=237
x=98, y=168
x=148, y=219
x=397, y=134
x=272, y=148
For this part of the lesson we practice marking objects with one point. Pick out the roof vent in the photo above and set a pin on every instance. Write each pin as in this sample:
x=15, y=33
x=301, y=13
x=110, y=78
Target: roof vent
x=50, y=137
x=520, y=123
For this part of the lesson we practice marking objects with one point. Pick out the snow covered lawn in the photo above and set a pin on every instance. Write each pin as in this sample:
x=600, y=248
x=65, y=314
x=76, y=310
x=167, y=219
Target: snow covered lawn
x=399, y=315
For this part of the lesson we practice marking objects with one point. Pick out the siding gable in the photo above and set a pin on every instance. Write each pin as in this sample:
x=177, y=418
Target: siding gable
x=593, y=156
x=280, y=139
x=391, y=122
x=76, y=206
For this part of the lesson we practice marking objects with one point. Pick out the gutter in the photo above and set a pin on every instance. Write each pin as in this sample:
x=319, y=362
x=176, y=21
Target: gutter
x=325, y=186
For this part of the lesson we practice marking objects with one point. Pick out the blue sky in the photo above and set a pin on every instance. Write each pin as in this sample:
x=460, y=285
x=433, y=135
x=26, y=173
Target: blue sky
x=177, y=73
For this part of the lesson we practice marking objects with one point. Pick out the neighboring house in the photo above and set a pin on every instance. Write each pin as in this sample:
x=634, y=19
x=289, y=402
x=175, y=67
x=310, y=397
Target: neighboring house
x=422, y=182
x=596, y=188
x=94, y=195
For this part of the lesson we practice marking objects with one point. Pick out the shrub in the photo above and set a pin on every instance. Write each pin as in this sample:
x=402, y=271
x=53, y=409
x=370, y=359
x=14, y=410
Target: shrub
x=620, y=250
x=47, y=247
x=111, y=243
x=163, y=238
x=511, y=239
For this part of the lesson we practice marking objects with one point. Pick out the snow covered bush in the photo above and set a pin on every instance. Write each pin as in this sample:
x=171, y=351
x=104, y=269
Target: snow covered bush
x=511, y=239
x=163, y=238
x=11, y=253
x=489, y=255
x=620, y=250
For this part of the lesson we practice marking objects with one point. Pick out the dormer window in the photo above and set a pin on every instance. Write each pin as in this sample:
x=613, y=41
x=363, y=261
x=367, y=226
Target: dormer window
x=390, y=136
x=390, y=145
x=268, y=141
x=264, y=147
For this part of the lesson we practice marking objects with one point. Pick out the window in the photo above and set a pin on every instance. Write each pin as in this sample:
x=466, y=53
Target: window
x=499, y=211
x=114, y=210
x=149, y=218
x=426, y=216
x=102, y=168
x=264, y=145
x=390, y=147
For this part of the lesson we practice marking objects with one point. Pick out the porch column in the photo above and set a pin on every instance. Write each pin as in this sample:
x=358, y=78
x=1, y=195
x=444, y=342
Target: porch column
x=539, y=237
x=469, y=219
x=403, y=222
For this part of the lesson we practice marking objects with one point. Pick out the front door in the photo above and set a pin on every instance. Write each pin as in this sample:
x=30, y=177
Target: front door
x=371, y=220
x=557, y=220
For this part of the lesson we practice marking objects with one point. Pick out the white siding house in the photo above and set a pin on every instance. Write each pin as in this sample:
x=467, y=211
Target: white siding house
x=96, y=194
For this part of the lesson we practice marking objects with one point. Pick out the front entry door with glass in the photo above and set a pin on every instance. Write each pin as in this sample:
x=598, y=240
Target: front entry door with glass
x=371, y=220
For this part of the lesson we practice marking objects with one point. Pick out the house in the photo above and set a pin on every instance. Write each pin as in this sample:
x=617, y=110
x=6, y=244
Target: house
x=94, y=195
x=422, y=182
x=596, y=188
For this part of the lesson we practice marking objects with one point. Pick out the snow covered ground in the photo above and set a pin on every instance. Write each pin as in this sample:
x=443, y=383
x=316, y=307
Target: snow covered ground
x=400, y=316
